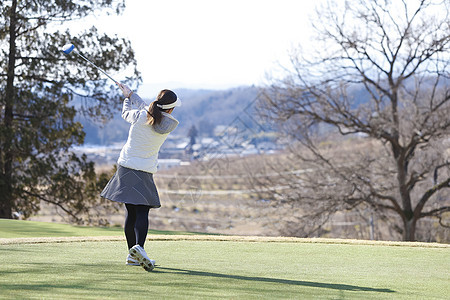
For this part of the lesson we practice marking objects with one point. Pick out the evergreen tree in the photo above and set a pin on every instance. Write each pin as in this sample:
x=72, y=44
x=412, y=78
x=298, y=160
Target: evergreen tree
x=42, y=90
x=192, y=133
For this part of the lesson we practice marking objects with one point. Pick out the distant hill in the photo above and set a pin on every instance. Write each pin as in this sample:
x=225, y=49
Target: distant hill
x=205, y=109
x=208, y=109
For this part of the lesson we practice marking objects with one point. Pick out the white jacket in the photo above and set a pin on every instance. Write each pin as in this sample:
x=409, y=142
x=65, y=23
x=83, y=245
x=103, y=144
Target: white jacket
x=140, y=152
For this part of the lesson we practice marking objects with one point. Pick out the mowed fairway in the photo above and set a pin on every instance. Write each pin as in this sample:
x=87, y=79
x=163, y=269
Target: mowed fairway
x=224, y=269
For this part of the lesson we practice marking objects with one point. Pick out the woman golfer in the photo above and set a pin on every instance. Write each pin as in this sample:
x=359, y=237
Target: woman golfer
x=133, y=184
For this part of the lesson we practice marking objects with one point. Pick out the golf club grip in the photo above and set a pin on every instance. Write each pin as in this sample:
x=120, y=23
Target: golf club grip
x=115, y=81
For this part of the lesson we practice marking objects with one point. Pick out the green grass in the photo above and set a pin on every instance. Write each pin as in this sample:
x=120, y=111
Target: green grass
x=23, y=229
x=224, y=269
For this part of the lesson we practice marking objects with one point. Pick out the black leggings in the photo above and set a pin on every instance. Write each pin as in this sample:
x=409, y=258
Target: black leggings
x=136, y=224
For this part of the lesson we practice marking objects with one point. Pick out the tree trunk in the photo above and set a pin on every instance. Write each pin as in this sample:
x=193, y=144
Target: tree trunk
x=6, y=184
x=409, y=233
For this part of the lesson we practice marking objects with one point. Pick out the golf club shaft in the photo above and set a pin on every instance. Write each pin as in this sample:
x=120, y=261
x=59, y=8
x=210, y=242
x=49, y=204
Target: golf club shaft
x=115, y=81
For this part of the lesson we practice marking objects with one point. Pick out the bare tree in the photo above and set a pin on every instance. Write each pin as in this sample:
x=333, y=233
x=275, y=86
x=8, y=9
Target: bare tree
x=381, y=74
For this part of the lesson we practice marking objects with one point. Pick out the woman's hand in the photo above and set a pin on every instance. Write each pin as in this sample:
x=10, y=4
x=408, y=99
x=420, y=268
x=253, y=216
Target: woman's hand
x=127, y=92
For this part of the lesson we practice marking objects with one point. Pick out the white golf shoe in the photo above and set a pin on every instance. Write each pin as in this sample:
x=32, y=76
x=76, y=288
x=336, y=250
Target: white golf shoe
x=138, y=253
x=131, y=261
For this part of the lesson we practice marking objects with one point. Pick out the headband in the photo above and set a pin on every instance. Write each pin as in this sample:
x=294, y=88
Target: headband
x=171, y=105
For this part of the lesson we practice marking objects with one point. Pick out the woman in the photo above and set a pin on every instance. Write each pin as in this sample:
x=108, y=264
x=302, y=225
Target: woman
x=133, y=183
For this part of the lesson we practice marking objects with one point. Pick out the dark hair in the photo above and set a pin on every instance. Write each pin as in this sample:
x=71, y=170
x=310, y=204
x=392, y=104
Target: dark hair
x=154, y=115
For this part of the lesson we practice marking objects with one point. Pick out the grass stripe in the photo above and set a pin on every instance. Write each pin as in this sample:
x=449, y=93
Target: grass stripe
x=24, y=229
x=220, y=238
x=19, y=232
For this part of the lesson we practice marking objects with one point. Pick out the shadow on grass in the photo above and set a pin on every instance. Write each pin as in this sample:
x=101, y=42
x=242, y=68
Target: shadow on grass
x=334, y=286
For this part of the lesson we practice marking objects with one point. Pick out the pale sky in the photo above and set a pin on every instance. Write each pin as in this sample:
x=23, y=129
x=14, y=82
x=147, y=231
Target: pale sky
x=210, y=43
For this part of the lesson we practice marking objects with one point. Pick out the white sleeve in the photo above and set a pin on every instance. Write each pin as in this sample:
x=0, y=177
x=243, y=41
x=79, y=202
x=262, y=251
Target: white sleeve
x=128, y=114
x=136, y=100
x=132, y=115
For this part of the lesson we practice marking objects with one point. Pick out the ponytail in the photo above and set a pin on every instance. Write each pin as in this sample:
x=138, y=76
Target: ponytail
x=154, y=113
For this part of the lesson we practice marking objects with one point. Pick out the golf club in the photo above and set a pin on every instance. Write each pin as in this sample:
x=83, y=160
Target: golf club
x=70, y=47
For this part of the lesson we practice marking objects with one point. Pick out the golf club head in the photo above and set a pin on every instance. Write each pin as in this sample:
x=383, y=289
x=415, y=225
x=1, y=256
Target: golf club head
x=67, y=48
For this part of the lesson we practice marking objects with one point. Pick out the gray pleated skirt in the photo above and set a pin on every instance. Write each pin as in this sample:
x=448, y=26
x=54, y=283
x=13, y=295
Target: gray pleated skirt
x=132, y=187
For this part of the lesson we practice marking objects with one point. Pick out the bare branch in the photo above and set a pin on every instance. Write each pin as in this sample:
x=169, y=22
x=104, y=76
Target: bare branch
x=435, y=212
x=69, y=212
x=430, y=192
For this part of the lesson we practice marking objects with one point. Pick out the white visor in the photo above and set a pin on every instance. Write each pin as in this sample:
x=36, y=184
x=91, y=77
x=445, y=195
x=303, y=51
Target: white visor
x=171, y=105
